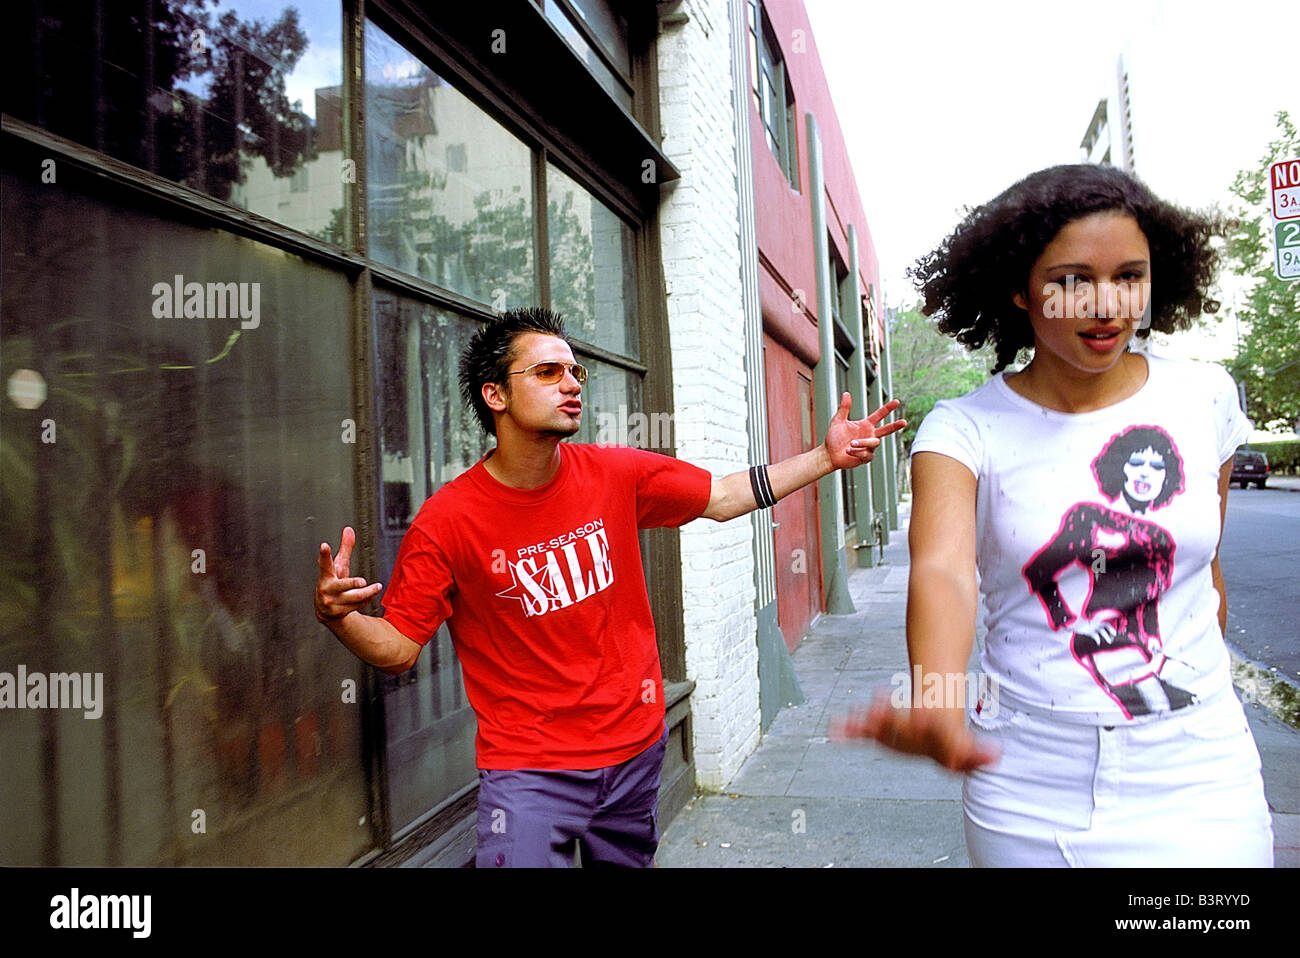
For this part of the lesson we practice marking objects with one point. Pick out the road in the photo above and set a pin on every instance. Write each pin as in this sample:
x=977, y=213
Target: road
x=1260, y=556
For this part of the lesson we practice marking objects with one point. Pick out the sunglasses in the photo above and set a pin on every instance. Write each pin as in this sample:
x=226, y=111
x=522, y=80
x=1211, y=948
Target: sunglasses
x=550, y=373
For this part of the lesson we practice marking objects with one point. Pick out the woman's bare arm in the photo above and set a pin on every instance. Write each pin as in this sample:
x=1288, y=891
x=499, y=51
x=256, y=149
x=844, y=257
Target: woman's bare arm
x=1225, y=480
x=941, y=605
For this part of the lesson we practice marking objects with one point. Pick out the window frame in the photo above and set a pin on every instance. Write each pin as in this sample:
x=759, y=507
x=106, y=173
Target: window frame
x=770, y=79
x=626, y=79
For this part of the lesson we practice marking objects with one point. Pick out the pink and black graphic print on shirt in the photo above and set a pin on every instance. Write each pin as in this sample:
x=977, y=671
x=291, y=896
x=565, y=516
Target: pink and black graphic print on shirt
x=1130, y=562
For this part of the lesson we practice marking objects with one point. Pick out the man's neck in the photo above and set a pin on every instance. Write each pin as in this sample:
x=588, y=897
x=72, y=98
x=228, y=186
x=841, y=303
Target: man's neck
x=523, y=463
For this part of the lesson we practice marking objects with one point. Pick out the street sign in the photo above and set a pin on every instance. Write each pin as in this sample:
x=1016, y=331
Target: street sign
x=1284, y=184
x=1284, y=181
x=1286, y=240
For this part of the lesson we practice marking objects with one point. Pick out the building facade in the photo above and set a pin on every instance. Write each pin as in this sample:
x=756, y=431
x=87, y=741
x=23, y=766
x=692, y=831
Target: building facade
x=242, y=256
x=1109, y=137
x=819, y=277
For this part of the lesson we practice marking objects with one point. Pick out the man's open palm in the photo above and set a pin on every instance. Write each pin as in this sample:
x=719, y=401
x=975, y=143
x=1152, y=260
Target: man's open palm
x=851, y=442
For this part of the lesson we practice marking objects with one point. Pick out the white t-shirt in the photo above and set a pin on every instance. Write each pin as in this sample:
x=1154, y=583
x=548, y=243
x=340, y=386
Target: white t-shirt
x=1095, y=537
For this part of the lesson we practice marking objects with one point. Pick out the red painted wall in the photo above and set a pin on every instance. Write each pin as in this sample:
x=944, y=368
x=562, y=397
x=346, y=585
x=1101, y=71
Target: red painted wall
x=788, y=292
x=796, y=541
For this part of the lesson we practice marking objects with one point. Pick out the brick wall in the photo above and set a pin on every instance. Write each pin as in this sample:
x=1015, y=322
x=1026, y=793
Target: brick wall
x=702, y=272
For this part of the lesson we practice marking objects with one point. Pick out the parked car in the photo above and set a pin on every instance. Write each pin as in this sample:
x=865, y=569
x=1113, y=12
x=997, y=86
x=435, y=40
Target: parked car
x=1248, y=467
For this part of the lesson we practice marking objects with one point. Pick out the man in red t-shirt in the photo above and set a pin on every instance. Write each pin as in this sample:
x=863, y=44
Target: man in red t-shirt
x=533, y=561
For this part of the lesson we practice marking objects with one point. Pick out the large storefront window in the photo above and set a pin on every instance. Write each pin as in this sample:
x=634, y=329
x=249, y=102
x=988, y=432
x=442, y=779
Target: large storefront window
x=189, y=404
x=232, y=102
x=427, y=438
x=450, y=190
x=183, y=441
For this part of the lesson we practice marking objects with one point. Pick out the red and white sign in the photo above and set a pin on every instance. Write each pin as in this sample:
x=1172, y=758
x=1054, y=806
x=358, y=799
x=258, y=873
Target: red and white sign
x=1284, y=181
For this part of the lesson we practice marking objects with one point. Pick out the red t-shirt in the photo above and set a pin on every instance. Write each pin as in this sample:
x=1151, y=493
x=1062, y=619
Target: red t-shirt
x=545, y=599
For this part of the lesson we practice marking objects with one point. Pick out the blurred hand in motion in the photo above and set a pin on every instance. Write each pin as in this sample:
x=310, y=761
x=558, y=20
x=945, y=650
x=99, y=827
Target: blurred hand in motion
x=940, y=733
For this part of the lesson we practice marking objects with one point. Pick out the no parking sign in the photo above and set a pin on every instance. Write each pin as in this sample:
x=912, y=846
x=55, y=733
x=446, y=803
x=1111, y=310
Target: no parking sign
x=1284, y=183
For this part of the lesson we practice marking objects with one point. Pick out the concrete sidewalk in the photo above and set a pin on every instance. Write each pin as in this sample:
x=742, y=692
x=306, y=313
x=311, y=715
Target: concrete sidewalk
x=801, y=801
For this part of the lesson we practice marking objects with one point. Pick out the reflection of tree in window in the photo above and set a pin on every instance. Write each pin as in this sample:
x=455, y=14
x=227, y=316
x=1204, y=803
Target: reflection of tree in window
x=572, y=291
x=449, y=188
x=144, y=77
x=498, y=247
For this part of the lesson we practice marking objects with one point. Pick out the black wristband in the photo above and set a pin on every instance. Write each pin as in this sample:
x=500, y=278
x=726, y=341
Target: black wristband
x=762, y=486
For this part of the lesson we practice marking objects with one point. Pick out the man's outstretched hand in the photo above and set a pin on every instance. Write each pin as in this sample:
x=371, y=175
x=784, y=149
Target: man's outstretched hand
x=852, y=442
x=337, y=593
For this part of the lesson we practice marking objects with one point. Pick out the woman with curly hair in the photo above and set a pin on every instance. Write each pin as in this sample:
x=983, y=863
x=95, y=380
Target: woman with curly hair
x=1088, y=490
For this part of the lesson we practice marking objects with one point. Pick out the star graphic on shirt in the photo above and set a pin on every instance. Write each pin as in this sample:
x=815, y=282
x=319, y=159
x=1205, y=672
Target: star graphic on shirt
x=516, y=591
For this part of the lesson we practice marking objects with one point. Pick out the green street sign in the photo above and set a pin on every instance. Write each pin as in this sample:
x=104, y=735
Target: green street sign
x=1286, y=240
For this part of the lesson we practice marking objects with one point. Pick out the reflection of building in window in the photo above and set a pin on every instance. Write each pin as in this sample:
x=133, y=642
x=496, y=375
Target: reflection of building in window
x=449, y=189
x=1109, y=139
x=308, y=198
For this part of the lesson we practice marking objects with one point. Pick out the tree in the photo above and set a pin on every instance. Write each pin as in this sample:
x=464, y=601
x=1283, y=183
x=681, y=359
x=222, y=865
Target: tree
x=929, y=366
x=1268, y=358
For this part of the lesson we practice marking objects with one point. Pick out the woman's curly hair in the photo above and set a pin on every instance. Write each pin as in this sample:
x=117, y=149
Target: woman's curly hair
x=969, y=280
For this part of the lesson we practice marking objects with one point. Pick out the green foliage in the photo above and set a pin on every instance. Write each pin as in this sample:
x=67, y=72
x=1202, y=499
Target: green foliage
x=1283, y=456
x=929, y=366
x=498, y=246
x=1268, y=360
x=336, y=230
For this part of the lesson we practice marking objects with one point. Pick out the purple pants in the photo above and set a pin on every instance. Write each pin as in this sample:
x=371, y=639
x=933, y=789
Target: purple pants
x=530, y=818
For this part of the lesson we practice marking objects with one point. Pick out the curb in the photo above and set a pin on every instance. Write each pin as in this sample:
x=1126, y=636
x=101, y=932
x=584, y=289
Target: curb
x=1261, y=685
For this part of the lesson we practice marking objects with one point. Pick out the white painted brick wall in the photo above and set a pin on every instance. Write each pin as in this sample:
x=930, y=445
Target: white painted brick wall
x=701, y=251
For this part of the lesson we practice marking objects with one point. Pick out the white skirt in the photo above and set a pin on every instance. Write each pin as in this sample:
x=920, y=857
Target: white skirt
x=1184, y=790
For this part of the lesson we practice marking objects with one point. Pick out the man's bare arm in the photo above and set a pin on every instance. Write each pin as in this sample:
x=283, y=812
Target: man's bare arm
x=848, y=444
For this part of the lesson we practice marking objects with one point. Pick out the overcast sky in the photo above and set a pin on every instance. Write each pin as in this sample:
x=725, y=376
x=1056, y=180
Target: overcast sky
x=944, y=104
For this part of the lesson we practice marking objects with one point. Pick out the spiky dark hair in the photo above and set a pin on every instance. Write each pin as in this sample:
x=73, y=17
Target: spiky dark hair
x=488, y=355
